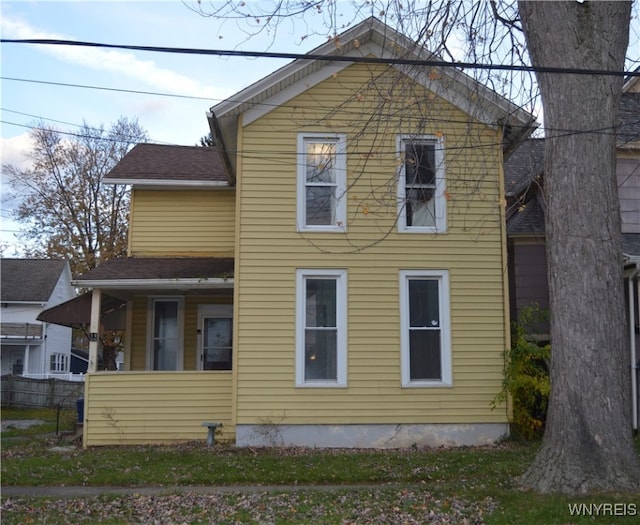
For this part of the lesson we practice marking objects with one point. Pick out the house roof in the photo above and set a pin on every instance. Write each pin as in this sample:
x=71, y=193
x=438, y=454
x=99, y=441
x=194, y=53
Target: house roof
x=29, y=280
x=523, y=166
x=167, y=165
x=631, y=245
x=370, y=37
x=528, y=218
x=167, y=271
x=629, y=114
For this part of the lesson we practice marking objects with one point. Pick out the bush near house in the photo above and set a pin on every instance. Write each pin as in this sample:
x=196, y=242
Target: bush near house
x=526, y=376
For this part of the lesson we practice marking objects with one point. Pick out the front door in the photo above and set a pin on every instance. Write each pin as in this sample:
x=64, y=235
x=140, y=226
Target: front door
x=216, y=331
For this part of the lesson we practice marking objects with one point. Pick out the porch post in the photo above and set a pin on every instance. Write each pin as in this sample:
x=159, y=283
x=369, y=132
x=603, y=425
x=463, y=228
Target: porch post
x=25, y=366
x=94, y=330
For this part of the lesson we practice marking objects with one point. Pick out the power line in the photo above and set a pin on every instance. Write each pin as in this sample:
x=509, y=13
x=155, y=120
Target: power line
x=326, y=58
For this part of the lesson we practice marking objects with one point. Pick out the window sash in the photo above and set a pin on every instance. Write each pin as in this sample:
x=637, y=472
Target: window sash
x=421, y=202
x=166, y=334
x=425, y=328
x=321, y=328
x=321, y=182
x=59, y=363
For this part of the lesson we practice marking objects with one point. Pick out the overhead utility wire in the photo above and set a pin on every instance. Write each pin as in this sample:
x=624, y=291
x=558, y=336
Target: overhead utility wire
x=327, y=58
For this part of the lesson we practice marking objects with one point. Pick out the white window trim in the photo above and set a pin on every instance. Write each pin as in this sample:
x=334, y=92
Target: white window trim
x=60, y=362
x=442, y=276
x=440, y=191
x=341, y=322
x=150, y=326
x=340, y=141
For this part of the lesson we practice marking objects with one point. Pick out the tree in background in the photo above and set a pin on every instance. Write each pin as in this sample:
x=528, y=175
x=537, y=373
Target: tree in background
x=588, y=443
x=67, y=210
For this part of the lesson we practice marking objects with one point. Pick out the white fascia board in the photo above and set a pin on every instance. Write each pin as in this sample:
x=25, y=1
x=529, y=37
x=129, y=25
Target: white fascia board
x=167, y=183
x=164, y=284
x=41, y=303
x=280, y=75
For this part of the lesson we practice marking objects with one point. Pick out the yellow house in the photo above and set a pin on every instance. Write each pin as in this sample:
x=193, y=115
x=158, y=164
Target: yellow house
x=332, y=273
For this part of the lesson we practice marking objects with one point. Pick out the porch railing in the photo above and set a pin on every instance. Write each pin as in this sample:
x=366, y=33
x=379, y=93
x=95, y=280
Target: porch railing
x=135, y=408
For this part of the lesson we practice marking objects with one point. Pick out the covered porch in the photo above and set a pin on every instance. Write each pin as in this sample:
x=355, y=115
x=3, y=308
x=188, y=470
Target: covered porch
x=177, y=345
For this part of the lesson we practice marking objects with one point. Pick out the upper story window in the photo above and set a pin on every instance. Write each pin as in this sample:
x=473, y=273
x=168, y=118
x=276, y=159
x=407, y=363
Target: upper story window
x=321, y=182
x=421, y=185
x=321, y=328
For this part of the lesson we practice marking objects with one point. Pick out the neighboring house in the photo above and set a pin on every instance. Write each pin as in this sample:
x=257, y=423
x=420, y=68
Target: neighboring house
x=331, y=274
x=29, y=347
x=524, y=180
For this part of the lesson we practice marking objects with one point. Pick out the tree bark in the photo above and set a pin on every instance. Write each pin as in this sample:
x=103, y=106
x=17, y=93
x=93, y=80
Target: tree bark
x=588, y=443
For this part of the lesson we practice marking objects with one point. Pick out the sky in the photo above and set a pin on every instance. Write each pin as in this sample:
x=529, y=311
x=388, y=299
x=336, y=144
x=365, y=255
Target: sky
x=170, y=120
x=170, y=23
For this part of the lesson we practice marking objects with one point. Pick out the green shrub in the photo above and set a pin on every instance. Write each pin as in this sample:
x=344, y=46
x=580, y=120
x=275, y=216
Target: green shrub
x=526, y=375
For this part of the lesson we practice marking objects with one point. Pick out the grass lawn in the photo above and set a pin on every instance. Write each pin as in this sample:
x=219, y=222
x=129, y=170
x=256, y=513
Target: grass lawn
x=396, y=486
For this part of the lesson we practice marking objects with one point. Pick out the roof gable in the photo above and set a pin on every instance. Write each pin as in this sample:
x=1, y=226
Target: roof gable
x=370, y=38
x=29, y=280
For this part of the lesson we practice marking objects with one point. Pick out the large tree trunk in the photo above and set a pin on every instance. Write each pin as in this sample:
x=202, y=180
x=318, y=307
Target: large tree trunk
x=588, y=443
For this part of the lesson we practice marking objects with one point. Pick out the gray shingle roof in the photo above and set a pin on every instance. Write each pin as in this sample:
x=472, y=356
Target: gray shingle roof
x=528, y=219
x=629, y=115
x=523, y=166
x=161, y=268
x=29, y=280
x=631, y=244
x=149, y=162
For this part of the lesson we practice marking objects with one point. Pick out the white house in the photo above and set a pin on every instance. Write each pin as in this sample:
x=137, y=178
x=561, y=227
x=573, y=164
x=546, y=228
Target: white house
x=29, y=347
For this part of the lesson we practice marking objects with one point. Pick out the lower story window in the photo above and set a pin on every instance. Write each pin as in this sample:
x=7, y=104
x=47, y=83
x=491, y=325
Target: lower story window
x=59, y=363
x=321, y=334
x=166, y=334
x=425, y=328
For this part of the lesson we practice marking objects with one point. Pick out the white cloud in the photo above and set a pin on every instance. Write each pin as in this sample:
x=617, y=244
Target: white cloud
x=123, y=63
x=13, y=151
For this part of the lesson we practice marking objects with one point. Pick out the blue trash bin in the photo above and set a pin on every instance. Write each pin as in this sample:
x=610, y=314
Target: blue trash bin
x=80, y=408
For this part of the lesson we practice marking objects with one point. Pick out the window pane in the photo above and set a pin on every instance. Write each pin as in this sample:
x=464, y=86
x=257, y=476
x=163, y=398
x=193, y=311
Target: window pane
x=217, y=344
x=420, y=207
x=424, y=355
x=166, y=319
x=217, y=332
x=320, y=355
x=164, y=355
x=420, y=164
x=424, y=308
x=321, y=302
x=320, y=162
x=165, y=335
x=321, y=205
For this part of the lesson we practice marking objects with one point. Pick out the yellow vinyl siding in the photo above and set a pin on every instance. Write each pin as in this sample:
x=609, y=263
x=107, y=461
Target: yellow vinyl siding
x=135, y=408
x=182, y=223
x=373, y=252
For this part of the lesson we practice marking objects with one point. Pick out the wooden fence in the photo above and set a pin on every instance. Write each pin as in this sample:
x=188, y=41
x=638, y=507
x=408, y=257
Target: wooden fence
x=24, y=392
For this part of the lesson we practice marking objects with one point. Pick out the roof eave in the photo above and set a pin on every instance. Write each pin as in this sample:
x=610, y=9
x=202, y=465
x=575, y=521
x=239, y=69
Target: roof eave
x=169, y=183
x=164, y=284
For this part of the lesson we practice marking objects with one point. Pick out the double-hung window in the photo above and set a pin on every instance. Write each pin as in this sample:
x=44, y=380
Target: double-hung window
x=321, y=328
x=425, y=339
x=321, y=182
x=421, y=184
